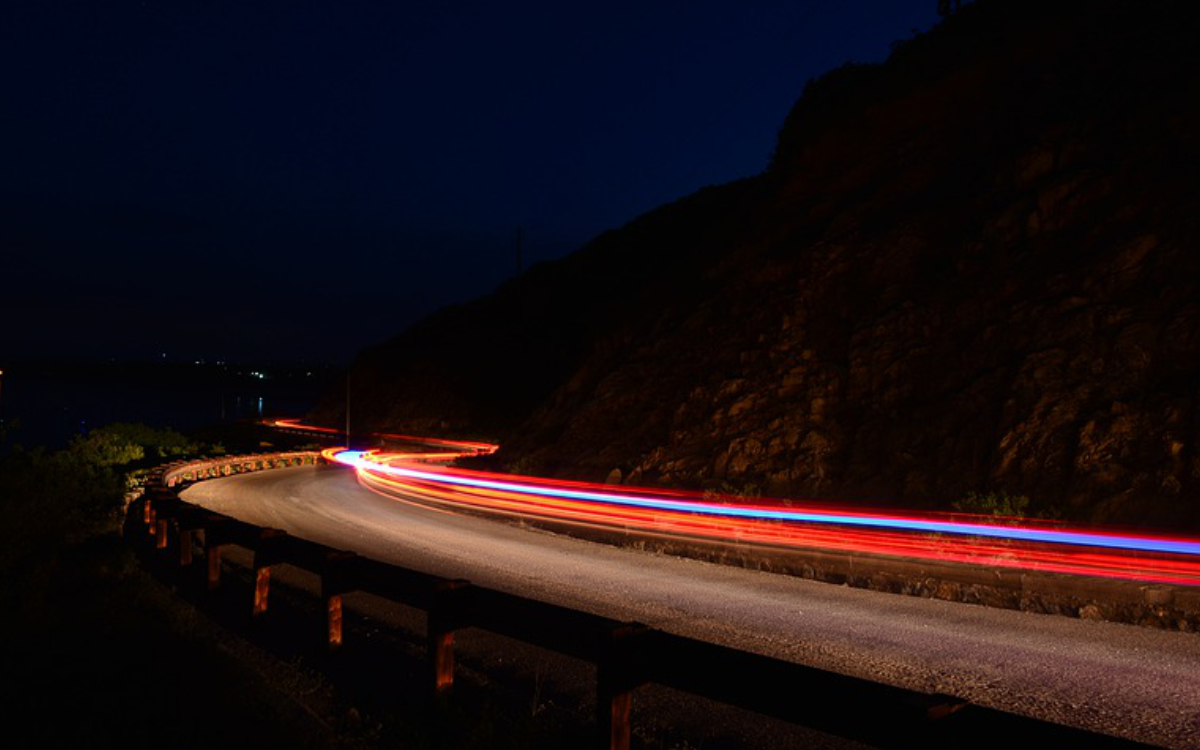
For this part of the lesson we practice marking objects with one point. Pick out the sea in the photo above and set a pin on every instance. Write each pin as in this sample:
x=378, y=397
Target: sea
x=46, y=403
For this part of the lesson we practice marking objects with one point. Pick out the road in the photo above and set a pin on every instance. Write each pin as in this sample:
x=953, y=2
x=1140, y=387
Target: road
x=1123, y=680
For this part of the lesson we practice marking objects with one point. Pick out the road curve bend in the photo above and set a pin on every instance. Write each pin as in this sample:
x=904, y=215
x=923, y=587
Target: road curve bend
x=1123, y=680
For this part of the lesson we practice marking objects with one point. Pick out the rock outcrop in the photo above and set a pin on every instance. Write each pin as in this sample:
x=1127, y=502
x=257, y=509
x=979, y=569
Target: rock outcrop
x=974, y=268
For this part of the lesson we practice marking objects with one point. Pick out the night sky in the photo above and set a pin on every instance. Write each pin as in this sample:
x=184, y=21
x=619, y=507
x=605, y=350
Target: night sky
x=295, y=180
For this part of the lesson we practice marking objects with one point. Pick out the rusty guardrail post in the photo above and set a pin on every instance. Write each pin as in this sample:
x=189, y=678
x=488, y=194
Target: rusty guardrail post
x=620, y=669
x=212, y=556
x=156, y=522
x=337, y=578
x=187, y=523
x=167, y=523
x=447, y=613
x=185, y=547
x=264, y=557
x=214, y=540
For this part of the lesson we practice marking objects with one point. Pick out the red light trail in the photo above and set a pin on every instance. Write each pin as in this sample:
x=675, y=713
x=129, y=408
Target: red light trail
x=1017, y=544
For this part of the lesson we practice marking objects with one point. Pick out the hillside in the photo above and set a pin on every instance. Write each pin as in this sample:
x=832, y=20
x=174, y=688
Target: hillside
x=973, y=268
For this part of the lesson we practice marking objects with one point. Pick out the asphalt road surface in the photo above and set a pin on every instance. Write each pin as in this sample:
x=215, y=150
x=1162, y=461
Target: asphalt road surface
x=1123, y=680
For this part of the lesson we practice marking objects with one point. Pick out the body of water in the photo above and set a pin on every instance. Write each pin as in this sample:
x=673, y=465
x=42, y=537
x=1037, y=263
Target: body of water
x=48, y=403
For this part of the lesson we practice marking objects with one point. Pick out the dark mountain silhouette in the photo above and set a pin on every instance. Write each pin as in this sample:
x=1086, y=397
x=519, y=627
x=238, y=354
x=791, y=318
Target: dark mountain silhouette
x=974, y=268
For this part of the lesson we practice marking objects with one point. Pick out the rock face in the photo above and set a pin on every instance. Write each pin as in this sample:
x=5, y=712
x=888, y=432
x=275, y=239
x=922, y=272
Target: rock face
x=975, y=268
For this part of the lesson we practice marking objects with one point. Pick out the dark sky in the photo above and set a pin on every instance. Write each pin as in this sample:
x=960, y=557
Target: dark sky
x=295, y=180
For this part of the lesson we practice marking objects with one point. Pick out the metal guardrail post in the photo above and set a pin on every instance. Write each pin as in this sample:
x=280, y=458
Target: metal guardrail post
x=155, y=526
x=263, y=560
x=185, y=548
x=214, y=540
x=262, y=587
x=336, y=580
x=160, y=509
x=447, y=613
x=212, y=555
x=187, y=523
x=619, y=671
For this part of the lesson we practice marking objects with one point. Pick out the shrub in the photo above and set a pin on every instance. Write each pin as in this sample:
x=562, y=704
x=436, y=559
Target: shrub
x=994, y=504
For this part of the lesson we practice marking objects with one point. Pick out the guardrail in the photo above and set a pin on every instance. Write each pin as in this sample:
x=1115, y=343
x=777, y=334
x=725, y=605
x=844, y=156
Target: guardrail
x=194, y=471
x=627, y=655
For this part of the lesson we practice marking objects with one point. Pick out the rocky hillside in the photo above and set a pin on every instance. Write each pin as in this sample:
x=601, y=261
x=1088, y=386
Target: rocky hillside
x=975, y=268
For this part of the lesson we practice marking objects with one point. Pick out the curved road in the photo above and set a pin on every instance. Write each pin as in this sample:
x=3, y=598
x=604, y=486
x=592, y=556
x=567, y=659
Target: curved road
x=1123, y=680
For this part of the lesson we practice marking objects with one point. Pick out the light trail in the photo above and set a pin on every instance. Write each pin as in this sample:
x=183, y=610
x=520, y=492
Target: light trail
x=461, y=447
x=1020, y=544
x=1013, y=543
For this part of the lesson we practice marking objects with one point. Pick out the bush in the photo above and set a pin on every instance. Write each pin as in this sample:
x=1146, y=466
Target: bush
x=1004, y=505
x=155, y=444
x=731, y=492
x=994, y=504
x=124, y=662
x=49, y=498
